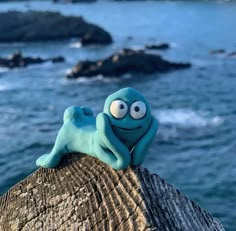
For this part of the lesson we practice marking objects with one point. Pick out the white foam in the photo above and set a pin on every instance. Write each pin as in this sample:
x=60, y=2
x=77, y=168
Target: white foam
x=137, y=47
x=3, y=69
x=187, y=118
x=76, y=45
x=90, y=80
x=3, y=88
x=99, y=78
x=173, y=44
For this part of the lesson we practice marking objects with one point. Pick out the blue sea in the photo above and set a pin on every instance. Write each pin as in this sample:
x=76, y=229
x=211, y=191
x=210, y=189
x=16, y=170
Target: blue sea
x=195, y=148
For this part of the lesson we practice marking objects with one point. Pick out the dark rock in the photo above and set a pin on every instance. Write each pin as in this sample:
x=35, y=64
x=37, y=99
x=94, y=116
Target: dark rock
x=78, y=1
x=129, y=0
x=125, y=61
x=58, y=59
x=217, y=52
x=75, y=1
x=162, y=46
x=17, y=60
x=232, y=54
x=42, y=26
x=96, y=37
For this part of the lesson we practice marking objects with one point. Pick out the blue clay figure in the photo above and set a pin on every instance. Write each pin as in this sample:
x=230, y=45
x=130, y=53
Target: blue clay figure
x=119, y=136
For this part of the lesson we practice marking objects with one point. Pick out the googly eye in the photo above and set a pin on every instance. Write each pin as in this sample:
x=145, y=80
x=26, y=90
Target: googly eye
x=118, y=109
x=138, y=110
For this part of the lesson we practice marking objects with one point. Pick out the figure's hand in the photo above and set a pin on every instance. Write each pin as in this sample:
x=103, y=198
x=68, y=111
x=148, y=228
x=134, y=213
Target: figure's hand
x=104, y=129
x=117, y=148
x=103, y=124
x=140, y=150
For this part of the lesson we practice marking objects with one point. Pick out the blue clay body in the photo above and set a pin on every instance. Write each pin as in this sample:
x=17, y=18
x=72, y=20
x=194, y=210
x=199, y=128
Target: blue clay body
x=119, y=136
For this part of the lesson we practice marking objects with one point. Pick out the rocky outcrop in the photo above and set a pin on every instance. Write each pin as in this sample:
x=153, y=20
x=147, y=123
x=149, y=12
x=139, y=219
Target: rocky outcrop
x=75, y=1
x=17, y=60
x=95, y=37
x=83, y=193
x=126, y=61
x=232, y=54
x=161, y=46
x=217, y=52
x=42, y=26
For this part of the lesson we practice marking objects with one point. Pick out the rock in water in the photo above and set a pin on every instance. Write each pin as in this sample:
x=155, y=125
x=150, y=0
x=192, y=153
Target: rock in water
x=126, y=61
x=96, y=37
x=17, y=60
x=162, y=46
x=75, y=1
x=58, y=59
x=41, y=26
x=232, y=54
x=217, y=52
x=85, y=194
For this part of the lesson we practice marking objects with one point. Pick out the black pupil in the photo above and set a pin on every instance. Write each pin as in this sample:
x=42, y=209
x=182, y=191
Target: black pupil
x=122, y=106
x=136, y=108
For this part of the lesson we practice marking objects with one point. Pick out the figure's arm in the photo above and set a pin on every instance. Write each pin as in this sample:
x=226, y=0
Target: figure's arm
x=140, y=150
x=117, y=154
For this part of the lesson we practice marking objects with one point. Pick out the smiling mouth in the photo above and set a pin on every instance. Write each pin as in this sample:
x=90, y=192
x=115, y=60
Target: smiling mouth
x=128, y=129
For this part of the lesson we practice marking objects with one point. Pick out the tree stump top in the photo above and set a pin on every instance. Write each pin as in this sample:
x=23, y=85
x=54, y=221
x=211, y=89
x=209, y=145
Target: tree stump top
x=85, y=194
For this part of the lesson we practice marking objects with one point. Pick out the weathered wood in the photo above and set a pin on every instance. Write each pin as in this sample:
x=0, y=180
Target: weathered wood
x=85, y=194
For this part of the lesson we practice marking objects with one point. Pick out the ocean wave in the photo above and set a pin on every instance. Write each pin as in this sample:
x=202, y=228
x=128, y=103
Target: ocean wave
x=187, y=118
x=47, y=64
x=4, y=87
x=16, y=44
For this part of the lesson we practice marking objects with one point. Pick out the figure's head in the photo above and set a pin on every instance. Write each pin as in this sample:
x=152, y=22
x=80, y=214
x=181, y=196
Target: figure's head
x=129, y=114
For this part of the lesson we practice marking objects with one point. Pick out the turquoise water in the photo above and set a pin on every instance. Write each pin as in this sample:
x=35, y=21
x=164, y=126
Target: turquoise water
x=196, y=145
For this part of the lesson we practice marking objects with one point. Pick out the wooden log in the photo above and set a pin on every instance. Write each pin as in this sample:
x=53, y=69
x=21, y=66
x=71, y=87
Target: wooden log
x=85, y=194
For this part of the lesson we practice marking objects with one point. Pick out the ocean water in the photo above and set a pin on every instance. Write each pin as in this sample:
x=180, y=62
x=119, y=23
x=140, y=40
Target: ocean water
x=195, y=148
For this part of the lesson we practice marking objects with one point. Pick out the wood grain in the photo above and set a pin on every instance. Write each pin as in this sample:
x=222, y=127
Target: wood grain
x=85, y=194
